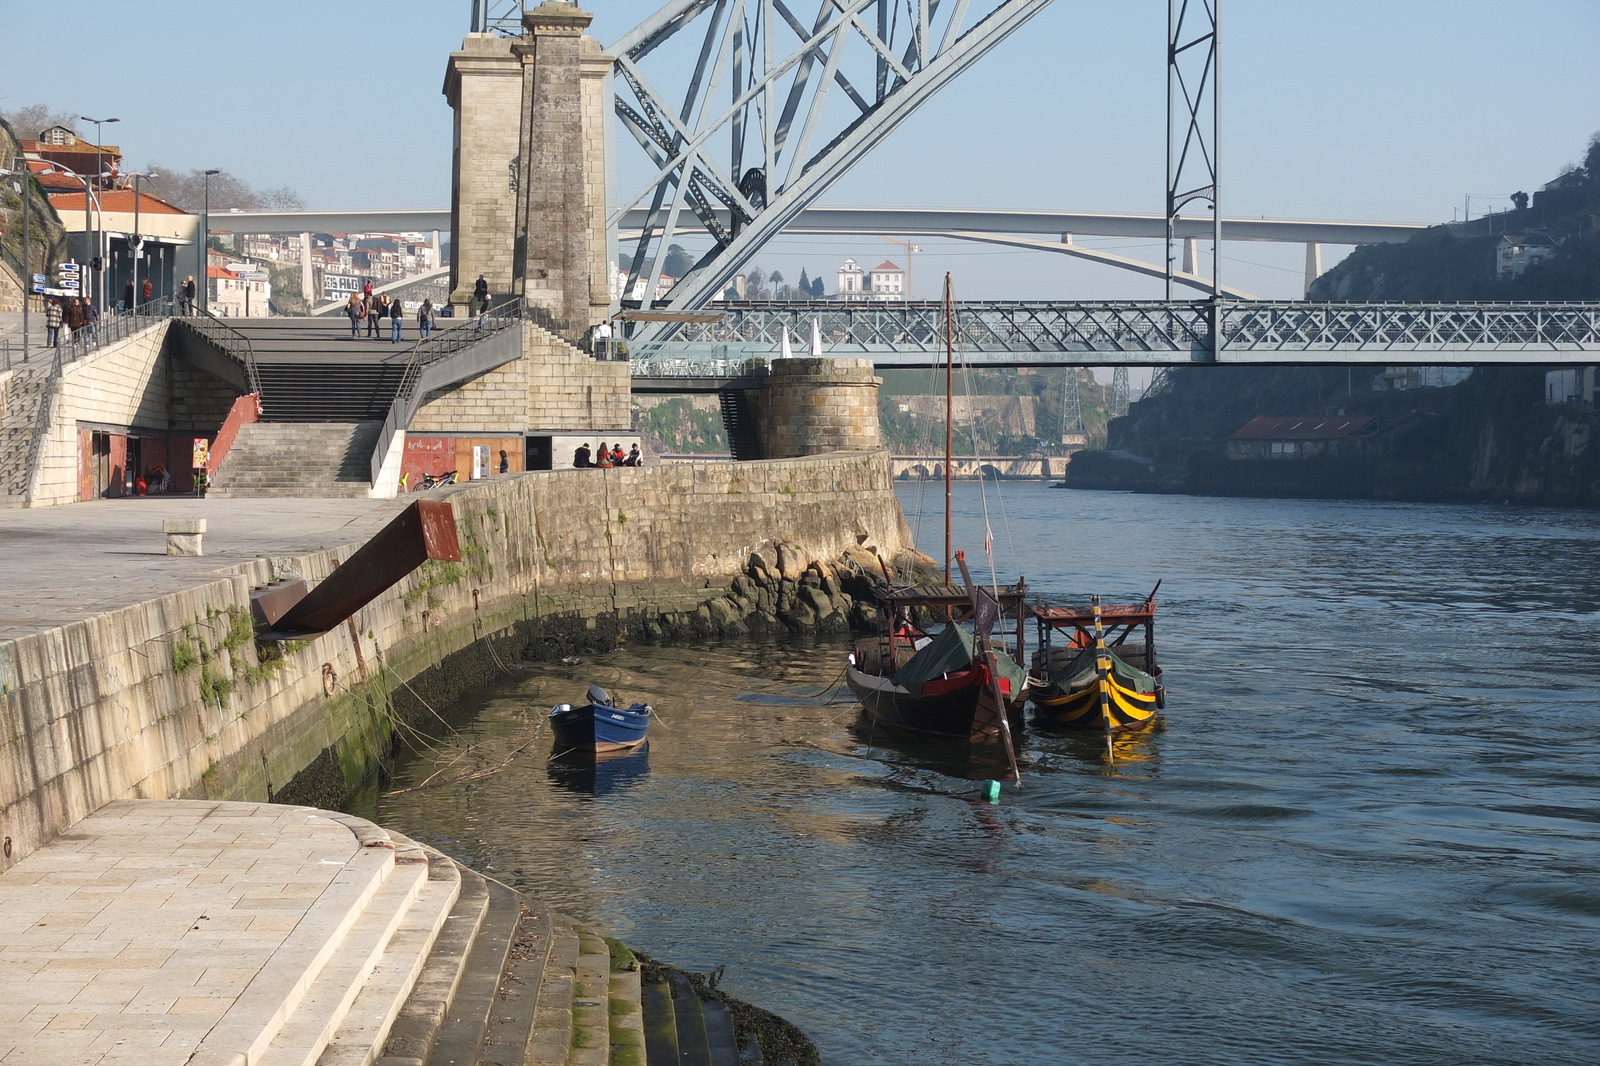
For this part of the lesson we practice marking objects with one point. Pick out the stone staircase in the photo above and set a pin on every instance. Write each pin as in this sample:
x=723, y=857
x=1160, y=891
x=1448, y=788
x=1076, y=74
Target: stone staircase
x=433, y=965
x=312, y=370
x=320, y=459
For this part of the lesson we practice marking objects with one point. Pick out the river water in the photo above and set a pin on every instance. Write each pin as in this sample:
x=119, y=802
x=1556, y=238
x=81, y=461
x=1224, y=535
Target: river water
x=1365, y=833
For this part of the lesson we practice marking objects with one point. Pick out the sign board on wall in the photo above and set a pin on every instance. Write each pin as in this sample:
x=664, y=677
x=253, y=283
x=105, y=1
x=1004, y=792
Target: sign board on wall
x=334, y=285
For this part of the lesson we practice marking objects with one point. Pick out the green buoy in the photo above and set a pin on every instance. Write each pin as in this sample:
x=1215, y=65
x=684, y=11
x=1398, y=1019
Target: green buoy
x=991, y=791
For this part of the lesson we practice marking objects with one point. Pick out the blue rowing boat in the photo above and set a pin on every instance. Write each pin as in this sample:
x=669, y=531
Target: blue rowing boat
x=599, y=725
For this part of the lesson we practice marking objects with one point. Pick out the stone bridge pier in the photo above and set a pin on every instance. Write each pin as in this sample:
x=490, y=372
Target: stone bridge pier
x=528, y=211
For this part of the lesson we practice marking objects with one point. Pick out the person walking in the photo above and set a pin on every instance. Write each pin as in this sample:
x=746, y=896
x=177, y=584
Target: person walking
x=72, y=317
x=127, y=295
x=376, y=309
x=425, y=320
x=356, y=311
x=397, y=319
x=602, y=340
x=187, y=293
x=483, y=313
x=91, y=322
x=149, y=292
x=480, y=293
x=53, y=316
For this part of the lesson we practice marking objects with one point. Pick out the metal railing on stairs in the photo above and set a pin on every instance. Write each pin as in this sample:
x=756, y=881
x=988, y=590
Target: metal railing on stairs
x=219, y=333
x=437, y=348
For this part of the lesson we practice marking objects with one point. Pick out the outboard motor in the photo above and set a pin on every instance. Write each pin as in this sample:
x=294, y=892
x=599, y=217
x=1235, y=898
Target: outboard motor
x=598, y=696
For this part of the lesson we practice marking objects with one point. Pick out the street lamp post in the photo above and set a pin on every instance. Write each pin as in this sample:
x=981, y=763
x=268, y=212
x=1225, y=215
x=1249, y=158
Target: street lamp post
x=138, y=241
x=99, y=173
x=203, y=274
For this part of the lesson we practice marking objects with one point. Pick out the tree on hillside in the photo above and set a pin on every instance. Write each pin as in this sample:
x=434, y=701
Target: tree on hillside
x=30, y=121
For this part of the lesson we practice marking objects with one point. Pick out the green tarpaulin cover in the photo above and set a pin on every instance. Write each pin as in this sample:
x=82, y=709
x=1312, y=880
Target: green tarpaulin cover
x=952, y=649
x=1080, y=671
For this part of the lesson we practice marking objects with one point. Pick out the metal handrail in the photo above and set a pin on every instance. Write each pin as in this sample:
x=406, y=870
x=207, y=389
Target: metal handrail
x=446, y=342
x=230, y=339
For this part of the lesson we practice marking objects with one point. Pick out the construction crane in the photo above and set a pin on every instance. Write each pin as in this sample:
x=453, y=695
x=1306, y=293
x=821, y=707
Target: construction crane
x=911, y=249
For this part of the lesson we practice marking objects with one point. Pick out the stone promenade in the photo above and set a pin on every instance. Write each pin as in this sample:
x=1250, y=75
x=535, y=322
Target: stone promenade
x=64, y=564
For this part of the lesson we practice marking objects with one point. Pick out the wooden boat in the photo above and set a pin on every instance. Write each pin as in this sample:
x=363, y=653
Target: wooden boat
x=1087, y=672
x=599, y=726
x=937, y=682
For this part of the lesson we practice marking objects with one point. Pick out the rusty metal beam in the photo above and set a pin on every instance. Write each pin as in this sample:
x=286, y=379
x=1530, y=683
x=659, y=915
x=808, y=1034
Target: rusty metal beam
x=425, y=530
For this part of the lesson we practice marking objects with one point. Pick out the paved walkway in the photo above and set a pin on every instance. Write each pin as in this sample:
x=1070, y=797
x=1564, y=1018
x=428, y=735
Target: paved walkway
x=63, y=564
x=128, y=938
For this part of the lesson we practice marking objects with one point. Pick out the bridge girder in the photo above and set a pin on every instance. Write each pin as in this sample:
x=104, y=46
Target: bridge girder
x=732, y=148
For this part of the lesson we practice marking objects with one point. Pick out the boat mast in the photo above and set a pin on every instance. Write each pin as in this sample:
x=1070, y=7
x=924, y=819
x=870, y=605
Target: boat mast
x=949, y=416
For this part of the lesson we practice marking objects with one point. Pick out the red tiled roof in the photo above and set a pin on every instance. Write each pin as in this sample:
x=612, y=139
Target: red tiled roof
x=885, y=265
x=116, y=200
x=1303, y=427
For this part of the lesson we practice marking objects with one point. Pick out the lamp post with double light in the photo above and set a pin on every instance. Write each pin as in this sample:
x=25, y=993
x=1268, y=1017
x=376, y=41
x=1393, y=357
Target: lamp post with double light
x=203, y=274
x=137, y=241
x=99, y=237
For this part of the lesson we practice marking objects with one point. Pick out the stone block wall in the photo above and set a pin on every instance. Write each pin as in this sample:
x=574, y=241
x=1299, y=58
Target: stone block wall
x=123, y=385
x=553, y=386
x=497, y=400
x=812, y=405
x=483, y=84
x=10, y=289
x=199, y=403
x=171, y=697
x=567, y=389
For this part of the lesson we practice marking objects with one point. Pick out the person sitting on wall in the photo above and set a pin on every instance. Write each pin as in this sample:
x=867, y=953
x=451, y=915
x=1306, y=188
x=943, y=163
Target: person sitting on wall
x=616, y=454
x=602, y=458
x=580, y=458
x=633, y=458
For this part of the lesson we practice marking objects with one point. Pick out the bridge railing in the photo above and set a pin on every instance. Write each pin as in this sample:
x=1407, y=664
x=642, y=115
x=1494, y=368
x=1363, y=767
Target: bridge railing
x=1166, y=332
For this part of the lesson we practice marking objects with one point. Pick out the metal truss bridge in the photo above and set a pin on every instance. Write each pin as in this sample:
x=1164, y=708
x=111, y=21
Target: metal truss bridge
x=1132, y=333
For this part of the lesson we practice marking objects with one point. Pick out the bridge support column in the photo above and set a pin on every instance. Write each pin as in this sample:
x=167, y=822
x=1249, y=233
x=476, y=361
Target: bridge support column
x=809, y=406
x=1313, y=265
x=551, y=261
x=484, y=86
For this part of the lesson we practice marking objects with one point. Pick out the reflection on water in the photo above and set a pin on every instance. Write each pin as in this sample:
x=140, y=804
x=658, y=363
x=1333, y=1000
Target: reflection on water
x=1365, y=831
x=591, y=774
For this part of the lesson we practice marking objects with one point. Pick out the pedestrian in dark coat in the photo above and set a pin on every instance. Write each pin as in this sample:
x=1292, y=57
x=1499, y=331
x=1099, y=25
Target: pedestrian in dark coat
x=397, y=319
x=375, y=314
x=53, y=316
x=127, y=295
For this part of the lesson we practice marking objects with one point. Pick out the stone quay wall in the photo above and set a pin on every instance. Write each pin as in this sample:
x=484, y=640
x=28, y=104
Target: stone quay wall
x=174, y=698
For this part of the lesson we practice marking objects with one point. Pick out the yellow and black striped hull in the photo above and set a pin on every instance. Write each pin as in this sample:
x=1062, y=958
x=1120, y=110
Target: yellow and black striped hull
x=1080, y=709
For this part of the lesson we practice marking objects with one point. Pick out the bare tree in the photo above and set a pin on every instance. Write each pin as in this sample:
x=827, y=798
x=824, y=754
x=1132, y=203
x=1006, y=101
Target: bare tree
x=33, y=120
x=186, y=189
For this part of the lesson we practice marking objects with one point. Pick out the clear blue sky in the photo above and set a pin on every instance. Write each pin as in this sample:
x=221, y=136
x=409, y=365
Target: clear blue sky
x=1353, y=109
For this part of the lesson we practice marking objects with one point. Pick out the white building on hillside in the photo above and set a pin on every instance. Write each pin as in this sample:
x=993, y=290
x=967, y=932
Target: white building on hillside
x=883, y=282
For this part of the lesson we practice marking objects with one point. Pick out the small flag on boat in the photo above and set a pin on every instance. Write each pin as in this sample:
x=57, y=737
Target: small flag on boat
x=986, y=611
